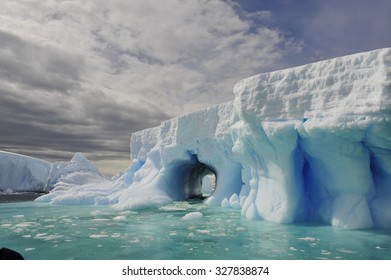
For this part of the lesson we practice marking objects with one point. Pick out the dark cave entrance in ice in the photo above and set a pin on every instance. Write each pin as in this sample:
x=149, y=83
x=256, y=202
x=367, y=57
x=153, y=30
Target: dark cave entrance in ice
x=193, y=179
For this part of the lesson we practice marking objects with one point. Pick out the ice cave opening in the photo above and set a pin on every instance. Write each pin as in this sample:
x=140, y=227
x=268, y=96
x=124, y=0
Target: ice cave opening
x=193, y=179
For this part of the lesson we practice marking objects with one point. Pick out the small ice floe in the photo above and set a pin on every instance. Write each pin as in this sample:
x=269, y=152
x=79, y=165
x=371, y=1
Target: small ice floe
x=26, y=224
x=292, y=249
x=240, y=229
x=100, y=220
x=18, y=216
x=98, y=236
x=203, y=231
x=325, y=252
x=346, y=251
x=312, y=239
x=29, y=249
x=46, y=237
x=193, y=216
x=119, y=218
x=96, y=213
x=380, y=248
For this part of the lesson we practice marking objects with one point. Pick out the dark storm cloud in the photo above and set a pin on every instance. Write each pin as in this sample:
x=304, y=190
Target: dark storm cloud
x=101, y=126
x=38, y=67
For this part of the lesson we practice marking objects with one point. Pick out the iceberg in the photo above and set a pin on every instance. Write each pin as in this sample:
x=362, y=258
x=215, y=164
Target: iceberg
x=305, y=144
x=19, y=173
x=78, y=164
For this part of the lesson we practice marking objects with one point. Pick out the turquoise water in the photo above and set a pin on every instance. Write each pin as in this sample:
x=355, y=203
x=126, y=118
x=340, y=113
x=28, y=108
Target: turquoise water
x=45, y=232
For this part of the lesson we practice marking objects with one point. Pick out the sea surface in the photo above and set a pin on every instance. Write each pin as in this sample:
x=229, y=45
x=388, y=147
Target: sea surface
x=40, y=231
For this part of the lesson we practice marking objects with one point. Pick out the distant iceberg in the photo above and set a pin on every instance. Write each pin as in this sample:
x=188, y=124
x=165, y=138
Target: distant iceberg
x=305, y=144
x=20, y=173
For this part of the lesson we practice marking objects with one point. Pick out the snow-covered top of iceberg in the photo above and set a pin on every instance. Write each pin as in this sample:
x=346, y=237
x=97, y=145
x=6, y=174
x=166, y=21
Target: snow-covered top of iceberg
x=212, y=122
x=348, y=86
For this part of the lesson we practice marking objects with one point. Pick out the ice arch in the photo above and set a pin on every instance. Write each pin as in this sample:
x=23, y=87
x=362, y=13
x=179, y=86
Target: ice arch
x=187, y=177
x=184, y=177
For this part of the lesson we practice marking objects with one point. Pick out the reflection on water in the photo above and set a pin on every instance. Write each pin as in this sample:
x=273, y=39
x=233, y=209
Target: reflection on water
x=43, y=231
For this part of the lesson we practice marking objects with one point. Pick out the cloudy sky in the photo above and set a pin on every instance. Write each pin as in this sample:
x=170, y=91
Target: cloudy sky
x=81, y=76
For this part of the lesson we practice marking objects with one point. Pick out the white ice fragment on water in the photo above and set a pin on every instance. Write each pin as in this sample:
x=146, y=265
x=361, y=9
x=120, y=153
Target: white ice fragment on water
x=29, y=249
x=203, y=231
x=46, y=237
x=193, y=216
x=99, y=235
x=312, y=239
x=100, y=220
x=97, y=213
x=292, y=249
x=119, y=218
x=26, y=224
x=346, y=251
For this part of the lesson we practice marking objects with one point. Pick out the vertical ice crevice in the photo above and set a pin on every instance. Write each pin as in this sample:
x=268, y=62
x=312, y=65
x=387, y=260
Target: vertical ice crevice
x=378, y=141
x=340, y=178
x=269, y=151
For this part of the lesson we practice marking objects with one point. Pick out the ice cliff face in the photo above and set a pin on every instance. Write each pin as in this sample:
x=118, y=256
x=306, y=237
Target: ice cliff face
x=311, y=143
x=22, y=173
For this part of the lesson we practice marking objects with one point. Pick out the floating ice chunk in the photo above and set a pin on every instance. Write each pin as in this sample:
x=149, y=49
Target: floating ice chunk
x=119, y=218
x=99, y=235
x=312, y=239
x=193, y=216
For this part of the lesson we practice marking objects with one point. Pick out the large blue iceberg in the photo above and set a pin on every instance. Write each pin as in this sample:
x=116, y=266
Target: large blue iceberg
x=305, y=144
